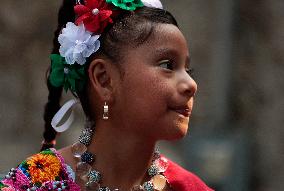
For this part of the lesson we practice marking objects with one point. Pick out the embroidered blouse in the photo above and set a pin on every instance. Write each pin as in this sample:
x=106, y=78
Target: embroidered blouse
x=48, y=171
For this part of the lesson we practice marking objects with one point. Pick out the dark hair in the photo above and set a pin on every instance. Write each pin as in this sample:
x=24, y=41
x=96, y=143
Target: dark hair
x=128, y=29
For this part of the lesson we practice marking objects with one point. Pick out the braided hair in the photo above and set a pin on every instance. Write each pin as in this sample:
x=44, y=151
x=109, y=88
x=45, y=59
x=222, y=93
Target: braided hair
x=128, y=29
x=65, y=14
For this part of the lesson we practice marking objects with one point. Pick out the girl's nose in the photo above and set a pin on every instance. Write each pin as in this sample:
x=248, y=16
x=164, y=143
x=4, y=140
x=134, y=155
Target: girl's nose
x=187, y=86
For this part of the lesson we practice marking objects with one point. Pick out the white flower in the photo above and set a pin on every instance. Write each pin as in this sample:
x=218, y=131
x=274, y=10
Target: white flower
x=153, y=3
x=77, y=44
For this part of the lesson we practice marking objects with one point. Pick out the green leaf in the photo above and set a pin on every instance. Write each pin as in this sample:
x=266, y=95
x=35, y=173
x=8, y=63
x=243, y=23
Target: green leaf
x=74, y=74
x=56, y=77
x=129, y=5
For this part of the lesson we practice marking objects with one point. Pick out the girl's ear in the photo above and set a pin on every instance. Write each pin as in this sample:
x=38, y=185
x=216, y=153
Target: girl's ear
x=101, y=78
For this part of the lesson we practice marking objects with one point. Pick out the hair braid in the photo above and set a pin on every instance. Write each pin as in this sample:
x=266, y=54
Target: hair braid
x=66, y=14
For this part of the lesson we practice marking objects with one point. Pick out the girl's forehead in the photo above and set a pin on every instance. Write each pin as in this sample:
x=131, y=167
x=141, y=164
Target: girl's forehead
x=165, y=38
x=165, y=33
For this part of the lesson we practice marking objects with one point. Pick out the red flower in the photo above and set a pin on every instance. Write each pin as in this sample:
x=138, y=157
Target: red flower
x=95, y=14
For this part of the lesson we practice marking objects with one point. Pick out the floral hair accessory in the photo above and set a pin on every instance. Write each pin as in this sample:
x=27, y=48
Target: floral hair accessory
x=129, y=5
x=69, y=76
x=79, y=40
x=95, y=14
x=153, y=3
x=77, y=43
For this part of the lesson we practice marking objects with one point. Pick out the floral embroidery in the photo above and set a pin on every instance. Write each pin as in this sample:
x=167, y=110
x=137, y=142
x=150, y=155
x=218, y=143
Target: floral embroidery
x=129, y=5
x=69, y=76
x=44, y=171
x=43, y=167
x=77, y=44
x=95, y=15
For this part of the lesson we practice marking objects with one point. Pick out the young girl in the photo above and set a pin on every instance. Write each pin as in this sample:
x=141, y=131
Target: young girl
x=127, y=63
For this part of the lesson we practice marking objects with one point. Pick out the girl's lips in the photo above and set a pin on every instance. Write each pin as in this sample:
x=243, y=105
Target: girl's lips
x=184, y=112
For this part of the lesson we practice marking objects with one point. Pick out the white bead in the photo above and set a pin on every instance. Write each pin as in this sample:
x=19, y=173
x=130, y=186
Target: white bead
x=79, y=42
x=137, y=188
x=92, y=186
x=162, y=164
x=83, y=169
x=159, y=182
x=95, y=11
x=78, y=149
x=66, y=70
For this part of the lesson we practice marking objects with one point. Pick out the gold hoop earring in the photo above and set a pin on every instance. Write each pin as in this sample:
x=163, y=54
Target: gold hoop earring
x=105, y=113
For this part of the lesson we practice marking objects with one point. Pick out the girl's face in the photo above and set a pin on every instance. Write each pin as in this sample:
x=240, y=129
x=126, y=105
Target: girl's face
x=155, y=96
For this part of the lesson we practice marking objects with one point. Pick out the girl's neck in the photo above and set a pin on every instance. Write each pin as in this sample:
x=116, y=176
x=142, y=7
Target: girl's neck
x=122, y=158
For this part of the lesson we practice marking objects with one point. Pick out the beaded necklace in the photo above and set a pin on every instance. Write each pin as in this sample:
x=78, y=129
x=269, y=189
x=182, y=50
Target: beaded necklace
x=93, y=178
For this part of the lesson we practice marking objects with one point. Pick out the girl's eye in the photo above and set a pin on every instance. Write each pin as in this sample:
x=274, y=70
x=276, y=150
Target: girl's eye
x=167, y=64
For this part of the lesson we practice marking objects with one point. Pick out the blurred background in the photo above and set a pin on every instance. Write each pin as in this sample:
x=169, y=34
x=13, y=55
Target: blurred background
x=235, y=142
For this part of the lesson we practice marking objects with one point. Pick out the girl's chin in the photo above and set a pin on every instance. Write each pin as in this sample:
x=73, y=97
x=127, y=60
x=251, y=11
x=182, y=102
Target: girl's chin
x=178, y=133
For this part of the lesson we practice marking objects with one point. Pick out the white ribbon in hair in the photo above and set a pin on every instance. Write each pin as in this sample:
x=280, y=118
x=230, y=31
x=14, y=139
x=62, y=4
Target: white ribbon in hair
x=58, y=117
x=153, y=3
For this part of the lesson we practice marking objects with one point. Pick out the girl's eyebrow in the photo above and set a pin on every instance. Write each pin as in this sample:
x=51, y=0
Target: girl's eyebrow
x=163, y=51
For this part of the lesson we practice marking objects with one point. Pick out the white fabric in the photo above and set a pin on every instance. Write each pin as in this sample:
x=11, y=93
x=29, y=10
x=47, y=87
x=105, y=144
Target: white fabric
x=153, y=3
x=77, y=44
x=61, y=113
